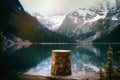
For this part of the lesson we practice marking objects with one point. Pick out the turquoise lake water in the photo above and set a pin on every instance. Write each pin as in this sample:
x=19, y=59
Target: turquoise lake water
x=36, y=58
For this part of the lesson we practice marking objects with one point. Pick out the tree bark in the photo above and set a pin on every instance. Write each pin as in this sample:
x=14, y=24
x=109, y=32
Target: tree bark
x=61, y=65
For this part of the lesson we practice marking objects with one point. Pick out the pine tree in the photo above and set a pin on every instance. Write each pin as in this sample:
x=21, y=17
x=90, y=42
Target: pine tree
x=109, y=67
x=101, y=73
x=119, y=61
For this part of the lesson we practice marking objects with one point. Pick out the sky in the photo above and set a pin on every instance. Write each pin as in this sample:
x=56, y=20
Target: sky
x=47, y=7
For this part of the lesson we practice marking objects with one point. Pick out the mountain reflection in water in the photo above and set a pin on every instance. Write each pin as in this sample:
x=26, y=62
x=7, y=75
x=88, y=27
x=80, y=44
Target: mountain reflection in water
x=37, y=57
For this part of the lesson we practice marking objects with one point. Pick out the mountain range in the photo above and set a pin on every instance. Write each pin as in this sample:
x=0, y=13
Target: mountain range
x=15, y=21
x=97, y=24
x=93, y=25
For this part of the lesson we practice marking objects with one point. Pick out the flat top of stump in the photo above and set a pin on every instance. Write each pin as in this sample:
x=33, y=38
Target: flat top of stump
x=60, y=50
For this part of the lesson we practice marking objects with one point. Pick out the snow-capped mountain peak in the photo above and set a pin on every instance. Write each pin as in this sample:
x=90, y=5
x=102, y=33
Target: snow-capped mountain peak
x=85, y=24
x=82, y=16
x=96, y=18
x=90, y=24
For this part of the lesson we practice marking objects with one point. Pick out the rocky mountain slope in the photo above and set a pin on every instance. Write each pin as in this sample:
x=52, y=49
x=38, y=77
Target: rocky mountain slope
x=15, y=21
x=91, y=24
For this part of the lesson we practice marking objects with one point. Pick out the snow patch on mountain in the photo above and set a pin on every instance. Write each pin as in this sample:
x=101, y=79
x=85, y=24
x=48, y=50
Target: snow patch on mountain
x=57, y=20
x=97, y=17
x=52, y=22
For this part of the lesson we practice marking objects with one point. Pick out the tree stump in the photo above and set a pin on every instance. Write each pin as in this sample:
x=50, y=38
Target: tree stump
x=61, y=65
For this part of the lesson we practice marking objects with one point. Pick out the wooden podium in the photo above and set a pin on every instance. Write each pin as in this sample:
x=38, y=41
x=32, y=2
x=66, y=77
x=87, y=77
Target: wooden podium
x=61, y=64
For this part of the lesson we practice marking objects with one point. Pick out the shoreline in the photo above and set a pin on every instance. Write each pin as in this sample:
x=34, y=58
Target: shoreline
x=48, y=76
